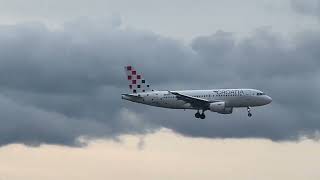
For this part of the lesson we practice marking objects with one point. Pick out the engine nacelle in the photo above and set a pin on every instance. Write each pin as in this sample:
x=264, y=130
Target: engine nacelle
x=220, y=107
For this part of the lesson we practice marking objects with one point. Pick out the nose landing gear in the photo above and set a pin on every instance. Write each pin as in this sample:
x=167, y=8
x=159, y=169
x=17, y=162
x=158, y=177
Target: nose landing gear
x=249, y=111
x=198, y=115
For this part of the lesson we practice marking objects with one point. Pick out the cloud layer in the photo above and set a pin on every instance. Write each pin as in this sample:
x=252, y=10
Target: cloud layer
x=59, y=86
x=309, y=7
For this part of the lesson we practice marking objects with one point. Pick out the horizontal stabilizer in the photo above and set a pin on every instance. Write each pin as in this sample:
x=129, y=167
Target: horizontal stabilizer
x=130, y=96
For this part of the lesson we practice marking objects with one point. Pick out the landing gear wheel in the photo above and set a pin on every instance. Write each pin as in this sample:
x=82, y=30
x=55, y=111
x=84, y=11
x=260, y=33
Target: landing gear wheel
x=249, y=111
x=202, y=116
x=197, y=115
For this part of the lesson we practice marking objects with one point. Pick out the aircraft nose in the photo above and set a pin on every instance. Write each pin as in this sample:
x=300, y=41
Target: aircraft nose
x=268, y=99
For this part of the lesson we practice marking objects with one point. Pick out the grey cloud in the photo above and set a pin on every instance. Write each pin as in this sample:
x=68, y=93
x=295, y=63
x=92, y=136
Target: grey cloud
x=175, y=18
x=59, y=86
x=29, y=125
x=307, y=7
x=289, y=73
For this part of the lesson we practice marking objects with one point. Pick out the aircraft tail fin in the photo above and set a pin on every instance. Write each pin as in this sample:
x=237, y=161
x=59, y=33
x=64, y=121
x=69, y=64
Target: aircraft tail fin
x=137, y=83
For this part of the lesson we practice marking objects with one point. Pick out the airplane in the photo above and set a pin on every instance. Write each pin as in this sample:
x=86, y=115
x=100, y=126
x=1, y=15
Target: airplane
x=221, y=101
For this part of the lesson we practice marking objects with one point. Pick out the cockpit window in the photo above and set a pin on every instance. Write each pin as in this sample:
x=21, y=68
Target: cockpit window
x=260, y=94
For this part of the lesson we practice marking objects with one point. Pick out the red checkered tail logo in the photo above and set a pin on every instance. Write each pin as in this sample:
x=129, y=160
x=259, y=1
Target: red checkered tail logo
x=137, y=83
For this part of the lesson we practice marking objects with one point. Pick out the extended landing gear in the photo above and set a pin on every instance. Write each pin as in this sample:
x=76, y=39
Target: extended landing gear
x=249, y=111
x=198, y=115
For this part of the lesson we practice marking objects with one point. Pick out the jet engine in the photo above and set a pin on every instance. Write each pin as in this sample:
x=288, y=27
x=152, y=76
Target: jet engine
x=220, y=107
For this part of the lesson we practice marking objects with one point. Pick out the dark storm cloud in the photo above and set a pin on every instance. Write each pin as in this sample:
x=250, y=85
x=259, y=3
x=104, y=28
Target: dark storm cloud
x=289, y=72
x=59, y=86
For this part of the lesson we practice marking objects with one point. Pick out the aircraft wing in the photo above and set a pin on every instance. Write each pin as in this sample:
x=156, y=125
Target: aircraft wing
x=194, y=101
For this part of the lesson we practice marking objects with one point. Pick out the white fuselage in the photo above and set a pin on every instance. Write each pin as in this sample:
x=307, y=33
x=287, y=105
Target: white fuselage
x=233, y=98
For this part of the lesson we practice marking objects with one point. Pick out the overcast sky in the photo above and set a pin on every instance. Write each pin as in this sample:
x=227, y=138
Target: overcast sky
x=61, y=69
x=183, y=19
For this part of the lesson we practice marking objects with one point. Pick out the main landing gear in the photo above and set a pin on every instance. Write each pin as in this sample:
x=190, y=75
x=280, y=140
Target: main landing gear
x=198, y=115
x=249, y=111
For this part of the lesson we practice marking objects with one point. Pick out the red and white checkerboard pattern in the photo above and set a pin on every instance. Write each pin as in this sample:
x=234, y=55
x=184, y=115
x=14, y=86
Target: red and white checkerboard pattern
x=136, y=82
